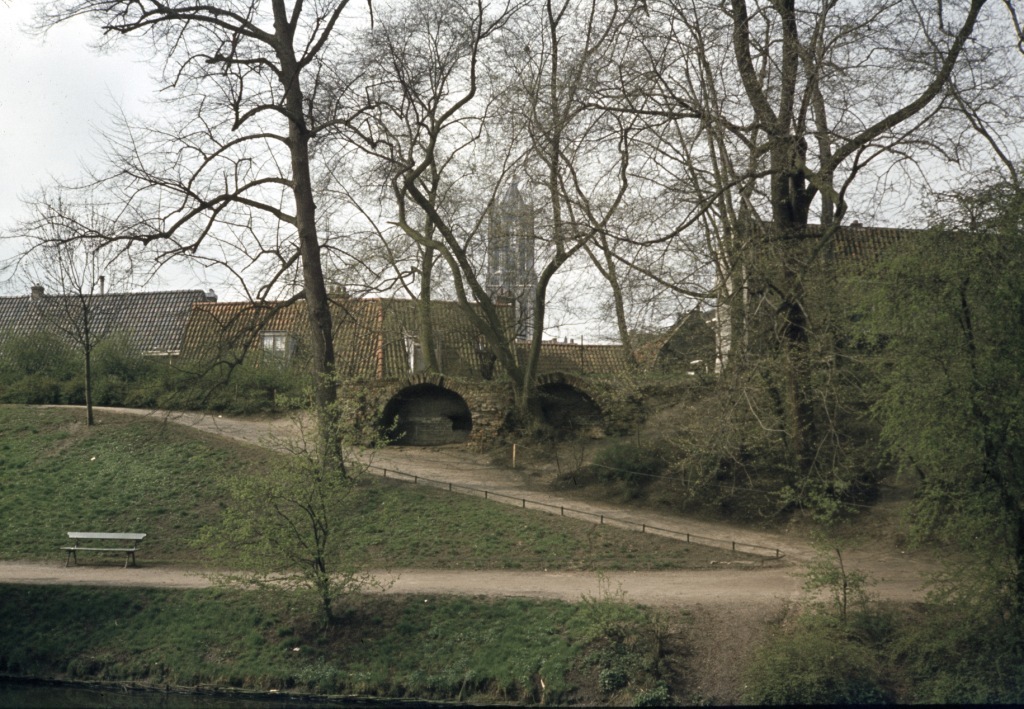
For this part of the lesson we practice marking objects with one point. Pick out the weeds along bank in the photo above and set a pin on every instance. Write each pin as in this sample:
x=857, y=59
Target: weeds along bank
x=598, y=651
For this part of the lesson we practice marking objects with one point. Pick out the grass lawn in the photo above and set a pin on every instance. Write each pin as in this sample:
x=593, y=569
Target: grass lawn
x=461, y=649
x=140, y=474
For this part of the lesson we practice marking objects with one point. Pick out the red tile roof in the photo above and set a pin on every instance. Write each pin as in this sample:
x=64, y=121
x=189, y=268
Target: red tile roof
x=573, y=358
x=370, y=335
x=154, y=322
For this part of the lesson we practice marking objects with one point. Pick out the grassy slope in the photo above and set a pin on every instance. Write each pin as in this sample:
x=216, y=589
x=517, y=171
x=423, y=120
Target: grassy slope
x=147, y=475
x=442, y=648
x=139, y=474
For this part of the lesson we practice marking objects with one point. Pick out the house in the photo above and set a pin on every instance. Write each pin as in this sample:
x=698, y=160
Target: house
x=687, y=346
x=153, y=323
x=374, y=338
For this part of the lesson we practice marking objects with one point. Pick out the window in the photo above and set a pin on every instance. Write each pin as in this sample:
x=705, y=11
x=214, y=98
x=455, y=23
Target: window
x=414, y=353
x=277, y=343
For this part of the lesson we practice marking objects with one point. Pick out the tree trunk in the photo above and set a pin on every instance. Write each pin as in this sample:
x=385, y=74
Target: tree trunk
x=87, y=349
x=325, y=391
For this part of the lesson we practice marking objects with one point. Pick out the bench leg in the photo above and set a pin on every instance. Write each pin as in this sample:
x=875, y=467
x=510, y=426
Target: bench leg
x=129, y=556
x=67, y=560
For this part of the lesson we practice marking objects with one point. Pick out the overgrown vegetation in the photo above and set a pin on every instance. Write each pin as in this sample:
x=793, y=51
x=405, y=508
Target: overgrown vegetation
x=948, y=324
x=44, y=368
x=455, y=649
x=850, y=649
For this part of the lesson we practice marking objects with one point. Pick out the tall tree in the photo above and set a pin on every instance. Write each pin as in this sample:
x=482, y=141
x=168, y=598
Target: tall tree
x=762, y=115
x=948, y=312
x=505, y=87
x=226, y=174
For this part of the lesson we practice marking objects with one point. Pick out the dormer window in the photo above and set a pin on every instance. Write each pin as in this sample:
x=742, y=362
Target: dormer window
x=414, y=354
x=277, y=343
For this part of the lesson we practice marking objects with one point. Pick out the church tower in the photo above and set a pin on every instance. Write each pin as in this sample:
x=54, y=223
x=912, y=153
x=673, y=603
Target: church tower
x=511, y=274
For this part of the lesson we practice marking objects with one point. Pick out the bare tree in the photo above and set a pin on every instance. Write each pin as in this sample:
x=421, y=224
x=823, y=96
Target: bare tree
x=499, y=95
x=762, y=115
x=68, y=264
x=423, y=75
x=226, y=175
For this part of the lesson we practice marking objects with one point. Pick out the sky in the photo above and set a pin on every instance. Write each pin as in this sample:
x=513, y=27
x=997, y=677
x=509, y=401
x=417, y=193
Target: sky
x=56, y=96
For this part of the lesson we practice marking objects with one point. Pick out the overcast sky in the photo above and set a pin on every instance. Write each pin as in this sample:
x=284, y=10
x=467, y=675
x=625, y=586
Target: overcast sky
x=55, y=97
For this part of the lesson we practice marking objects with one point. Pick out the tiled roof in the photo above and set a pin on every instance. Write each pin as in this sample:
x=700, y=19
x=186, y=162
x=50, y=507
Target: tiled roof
x=370, y=335
x=154, y=322
x=864, y=246
x=854, y=245
x=573, y=358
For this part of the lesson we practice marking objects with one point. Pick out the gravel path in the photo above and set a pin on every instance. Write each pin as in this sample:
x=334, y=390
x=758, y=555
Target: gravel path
x=659, y=588
x=729, y=607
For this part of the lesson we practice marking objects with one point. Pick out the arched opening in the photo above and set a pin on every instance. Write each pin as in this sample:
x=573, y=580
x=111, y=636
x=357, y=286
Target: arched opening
x=426, y=415
x=567, y=410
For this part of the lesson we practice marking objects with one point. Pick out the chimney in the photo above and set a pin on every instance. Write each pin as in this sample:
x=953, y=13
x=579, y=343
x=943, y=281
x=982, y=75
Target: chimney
x=211, y=296
x=38, y=292
x=103, y=283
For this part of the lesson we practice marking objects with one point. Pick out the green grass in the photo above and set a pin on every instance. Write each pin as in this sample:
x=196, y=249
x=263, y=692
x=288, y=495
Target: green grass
x=426, y=647
x=142, y=474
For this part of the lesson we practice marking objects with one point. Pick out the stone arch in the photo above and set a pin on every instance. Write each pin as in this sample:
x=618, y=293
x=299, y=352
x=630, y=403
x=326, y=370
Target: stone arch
x=434, y=379
x=426, y=413
x=566, y=406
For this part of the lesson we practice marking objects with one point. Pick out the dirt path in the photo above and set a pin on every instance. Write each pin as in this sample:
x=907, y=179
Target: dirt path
x=899, y=574
x=661, y=588
x=730, y=606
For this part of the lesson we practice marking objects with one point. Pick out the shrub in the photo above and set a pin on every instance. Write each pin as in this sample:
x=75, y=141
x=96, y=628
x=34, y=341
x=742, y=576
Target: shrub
x=35, y=368
x=239, y=389
x=953, y=653
x=815, y=664
x=636, y=465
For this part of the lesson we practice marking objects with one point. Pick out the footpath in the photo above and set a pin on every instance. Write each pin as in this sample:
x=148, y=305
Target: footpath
x=897, y=575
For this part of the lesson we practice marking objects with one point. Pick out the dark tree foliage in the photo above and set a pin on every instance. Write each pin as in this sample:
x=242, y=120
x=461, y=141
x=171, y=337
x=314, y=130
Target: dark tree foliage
x=950, y=309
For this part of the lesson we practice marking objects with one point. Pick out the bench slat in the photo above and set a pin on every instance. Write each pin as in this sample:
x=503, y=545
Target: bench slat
x=123, y=536
x=134, y=537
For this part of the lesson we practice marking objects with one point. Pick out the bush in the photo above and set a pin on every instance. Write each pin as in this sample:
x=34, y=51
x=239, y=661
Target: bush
x=815, y=664
x=34, y=369
x=953, y=653
x=239, y=389
x=636, y=465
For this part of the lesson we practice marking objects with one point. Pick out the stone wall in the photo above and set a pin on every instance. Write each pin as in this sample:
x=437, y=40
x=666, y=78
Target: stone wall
x=489, y=404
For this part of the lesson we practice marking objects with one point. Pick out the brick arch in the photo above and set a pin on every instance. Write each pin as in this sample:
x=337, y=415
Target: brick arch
x=426, y=412
x=431, y=378
x=572, y=380
x=566, y=405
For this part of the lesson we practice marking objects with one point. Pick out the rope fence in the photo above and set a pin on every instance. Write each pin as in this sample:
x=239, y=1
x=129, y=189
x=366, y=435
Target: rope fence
x=564, y=511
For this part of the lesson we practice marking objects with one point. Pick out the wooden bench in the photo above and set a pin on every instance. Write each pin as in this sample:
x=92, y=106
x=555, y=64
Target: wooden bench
x=125, y=539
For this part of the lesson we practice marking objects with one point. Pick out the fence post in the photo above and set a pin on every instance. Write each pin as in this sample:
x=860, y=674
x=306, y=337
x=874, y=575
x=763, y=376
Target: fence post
x=485, y=494
x=643, y=528
x=563, y=511
x=524, y=503
x=602, y=519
